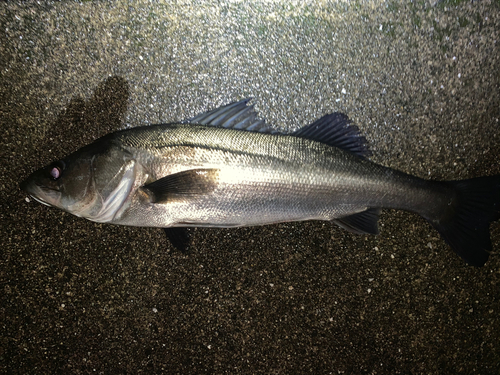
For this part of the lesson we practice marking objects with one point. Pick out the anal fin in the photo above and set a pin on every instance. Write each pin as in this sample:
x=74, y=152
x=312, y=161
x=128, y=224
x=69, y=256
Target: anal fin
x=365, y=222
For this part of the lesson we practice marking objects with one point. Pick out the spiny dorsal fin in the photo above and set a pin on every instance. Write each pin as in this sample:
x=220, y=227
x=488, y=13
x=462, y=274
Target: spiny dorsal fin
x=183, y=185
x=338, y=131
x=237, y=115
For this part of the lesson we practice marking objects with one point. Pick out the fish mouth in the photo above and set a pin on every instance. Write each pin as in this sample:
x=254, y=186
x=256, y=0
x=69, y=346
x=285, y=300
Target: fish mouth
x=37, y=191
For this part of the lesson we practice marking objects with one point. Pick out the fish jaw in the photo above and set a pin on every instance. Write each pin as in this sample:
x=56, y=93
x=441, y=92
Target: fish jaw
x=42, y=194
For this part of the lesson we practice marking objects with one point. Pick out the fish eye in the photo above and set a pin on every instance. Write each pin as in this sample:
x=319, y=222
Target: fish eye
x=56, y=170
x=55, y=173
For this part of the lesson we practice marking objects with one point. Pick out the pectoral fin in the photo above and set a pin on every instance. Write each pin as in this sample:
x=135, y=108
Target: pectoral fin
x=183, y=185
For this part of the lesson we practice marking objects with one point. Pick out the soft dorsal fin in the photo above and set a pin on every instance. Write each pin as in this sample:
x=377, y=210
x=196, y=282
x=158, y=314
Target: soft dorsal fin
x=237, y=115
x=336, y=130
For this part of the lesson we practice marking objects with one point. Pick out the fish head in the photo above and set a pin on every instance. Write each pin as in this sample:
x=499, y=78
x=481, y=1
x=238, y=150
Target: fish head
x=93, y=182
x=65, y=183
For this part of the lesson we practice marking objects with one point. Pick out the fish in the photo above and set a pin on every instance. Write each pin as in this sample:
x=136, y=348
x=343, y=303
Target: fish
x=228, y=168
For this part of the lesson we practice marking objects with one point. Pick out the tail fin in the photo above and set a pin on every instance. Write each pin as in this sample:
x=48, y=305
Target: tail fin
x=466, y=226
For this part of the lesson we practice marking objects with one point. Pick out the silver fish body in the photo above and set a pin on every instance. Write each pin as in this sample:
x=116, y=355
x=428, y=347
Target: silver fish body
x=256, y=178
x=216, y=172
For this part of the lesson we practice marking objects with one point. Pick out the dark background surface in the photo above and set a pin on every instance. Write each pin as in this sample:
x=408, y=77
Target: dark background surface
x=421, y=80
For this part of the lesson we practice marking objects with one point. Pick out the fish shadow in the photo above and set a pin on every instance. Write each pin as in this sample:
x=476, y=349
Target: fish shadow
x=83, y=121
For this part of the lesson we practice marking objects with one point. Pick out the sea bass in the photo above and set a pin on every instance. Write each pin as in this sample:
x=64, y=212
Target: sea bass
x=227, y=168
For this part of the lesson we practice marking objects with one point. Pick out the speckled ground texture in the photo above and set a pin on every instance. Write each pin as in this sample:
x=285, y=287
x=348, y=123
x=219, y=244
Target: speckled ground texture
x=422, y=81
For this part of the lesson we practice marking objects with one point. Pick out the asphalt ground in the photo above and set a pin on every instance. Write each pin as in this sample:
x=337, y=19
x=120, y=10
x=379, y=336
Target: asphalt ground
x=420, y=79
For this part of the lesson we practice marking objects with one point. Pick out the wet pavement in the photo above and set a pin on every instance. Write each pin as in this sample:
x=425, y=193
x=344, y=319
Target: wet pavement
x=422, y=82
